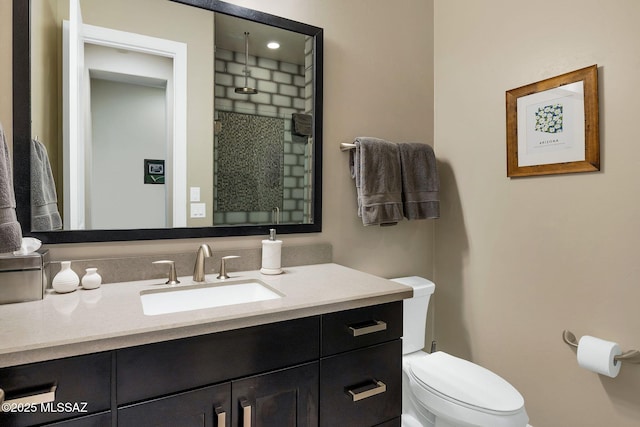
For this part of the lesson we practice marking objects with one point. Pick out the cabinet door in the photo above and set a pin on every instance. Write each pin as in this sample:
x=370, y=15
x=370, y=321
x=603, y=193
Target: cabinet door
x=205, y=407
x=286, y=398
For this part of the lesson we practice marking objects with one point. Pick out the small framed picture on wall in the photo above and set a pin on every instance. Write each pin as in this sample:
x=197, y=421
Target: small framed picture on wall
x=552, y=125
x=153, y=171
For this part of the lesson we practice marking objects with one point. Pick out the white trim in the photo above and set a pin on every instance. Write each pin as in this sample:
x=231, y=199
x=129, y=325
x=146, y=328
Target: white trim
x=73, y=125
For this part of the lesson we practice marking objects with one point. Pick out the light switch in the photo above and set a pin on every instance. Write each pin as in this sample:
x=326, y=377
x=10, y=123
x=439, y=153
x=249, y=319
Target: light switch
x=198, y=210
x=195, y=194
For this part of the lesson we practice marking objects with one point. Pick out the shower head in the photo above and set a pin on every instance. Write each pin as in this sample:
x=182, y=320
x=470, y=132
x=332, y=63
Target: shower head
x=246, y=90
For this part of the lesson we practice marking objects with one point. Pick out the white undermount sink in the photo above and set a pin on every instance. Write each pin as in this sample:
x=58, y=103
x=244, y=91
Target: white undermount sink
x=206, y=295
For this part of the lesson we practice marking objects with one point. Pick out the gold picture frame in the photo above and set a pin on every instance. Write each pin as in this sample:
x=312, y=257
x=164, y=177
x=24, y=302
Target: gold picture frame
x=552, y=125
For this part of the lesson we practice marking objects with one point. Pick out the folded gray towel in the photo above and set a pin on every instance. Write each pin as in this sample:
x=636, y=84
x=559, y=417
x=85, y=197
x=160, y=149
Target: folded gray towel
x=302, y=124
x=375, y=166
x=420, y=181
x=44, y=199
x=10, y=230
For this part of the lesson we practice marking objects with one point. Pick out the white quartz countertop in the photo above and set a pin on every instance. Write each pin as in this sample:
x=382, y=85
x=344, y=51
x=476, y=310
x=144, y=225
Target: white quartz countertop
x=110, y=317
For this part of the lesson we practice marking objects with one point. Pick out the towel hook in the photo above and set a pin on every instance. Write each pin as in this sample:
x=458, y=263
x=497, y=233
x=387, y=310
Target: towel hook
x=631, y=356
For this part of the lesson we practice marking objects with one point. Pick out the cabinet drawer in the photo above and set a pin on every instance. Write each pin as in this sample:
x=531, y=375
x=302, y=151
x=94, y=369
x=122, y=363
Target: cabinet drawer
x=172, y=366
x=56, y=390
x=360, y=327
x=363, y=387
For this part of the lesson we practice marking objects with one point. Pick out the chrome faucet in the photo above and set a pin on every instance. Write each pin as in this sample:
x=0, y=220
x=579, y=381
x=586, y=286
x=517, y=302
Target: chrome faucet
x=204, y=251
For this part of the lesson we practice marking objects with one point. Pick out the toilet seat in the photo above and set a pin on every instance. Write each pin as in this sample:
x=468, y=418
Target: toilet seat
x=462, y=393
x=465, y=383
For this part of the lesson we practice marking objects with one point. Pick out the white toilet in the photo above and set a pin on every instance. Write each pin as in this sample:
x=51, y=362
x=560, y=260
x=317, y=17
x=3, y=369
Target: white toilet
x=440, y=390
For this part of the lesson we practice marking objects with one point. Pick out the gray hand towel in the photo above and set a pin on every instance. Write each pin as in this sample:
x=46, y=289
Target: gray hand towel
x=302, y=124
x=10, y=231
x=420, y=181
x=375, y=166
x=44, y=199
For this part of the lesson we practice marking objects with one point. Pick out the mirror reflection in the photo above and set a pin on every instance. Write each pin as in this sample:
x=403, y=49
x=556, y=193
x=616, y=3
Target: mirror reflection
x=187, y=119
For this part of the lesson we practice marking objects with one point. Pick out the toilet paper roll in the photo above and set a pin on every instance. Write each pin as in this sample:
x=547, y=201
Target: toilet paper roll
x=271, y=257
x=597, y=355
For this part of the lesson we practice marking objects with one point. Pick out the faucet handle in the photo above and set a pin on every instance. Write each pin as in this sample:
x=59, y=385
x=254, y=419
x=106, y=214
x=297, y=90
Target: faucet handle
x=223, y=271
x=173, y=277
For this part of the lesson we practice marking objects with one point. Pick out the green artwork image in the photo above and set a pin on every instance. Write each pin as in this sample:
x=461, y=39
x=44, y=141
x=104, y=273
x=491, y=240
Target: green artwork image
x=549, y=118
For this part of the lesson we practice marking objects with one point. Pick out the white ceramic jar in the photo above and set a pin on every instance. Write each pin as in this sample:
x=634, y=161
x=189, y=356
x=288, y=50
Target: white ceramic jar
x=66, y=280
x=91, y=280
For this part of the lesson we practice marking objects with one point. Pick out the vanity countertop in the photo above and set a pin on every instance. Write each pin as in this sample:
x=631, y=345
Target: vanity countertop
x=110, y=317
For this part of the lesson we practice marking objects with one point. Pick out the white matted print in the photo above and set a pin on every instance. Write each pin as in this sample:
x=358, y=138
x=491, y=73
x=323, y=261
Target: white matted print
x=551, y=126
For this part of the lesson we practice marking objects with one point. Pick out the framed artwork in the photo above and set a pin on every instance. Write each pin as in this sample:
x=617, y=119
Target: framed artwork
x=153, y=171
x=552, y=125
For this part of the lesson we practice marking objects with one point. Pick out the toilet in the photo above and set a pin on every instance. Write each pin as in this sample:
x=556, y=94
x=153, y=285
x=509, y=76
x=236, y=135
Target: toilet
x=440, y=390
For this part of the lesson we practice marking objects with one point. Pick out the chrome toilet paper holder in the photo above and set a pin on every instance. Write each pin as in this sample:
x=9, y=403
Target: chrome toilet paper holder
x=631, y=356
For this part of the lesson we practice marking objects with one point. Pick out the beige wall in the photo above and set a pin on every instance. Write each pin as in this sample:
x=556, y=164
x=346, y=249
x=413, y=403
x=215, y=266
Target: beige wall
x=519, y=260
x=46, y=81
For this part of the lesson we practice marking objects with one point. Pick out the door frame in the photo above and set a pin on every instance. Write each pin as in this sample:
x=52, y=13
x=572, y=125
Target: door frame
x=177, y=137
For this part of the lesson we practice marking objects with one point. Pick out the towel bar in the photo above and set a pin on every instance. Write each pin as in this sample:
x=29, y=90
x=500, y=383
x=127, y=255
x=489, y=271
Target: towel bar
x=631, y=356
x=346, y=146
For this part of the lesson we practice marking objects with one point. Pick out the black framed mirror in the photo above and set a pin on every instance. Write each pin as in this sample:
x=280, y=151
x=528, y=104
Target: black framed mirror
x=233, y=194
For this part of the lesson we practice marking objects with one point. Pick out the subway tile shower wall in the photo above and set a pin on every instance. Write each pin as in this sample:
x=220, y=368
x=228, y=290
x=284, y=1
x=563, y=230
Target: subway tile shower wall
x=283, y=89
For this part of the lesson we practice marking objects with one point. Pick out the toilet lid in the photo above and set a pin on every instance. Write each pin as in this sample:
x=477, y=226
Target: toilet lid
x=466, y=382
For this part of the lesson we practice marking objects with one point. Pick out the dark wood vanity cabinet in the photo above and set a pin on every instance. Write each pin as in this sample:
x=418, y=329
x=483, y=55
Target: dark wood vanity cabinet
x=269, y=375
x=337, y=369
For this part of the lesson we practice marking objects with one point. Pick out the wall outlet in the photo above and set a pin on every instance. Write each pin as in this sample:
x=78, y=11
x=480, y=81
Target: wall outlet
x=198, y=210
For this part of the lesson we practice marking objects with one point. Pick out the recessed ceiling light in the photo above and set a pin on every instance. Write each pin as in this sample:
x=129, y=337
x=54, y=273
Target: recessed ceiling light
x=273, y=45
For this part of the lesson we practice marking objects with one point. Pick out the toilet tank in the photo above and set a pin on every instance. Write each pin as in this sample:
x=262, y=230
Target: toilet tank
x=415, y=312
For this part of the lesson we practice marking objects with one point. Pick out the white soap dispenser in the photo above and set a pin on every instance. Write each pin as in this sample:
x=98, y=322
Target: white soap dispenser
x=271, y=254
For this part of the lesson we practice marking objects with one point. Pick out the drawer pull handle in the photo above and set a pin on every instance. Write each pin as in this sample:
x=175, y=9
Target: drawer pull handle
x=246, y=413
x=379, y=388
x=368, y=328
x=45, y=396
x=221, y=417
